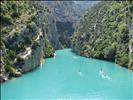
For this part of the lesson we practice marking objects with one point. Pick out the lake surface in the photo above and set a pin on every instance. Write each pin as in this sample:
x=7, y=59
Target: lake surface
x=71, y=77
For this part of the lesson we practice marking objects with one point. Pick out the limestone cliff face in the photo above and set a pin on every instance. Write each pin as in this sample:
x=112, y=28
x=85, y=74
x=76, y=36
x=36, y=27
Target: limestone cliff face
x=66, y=14
x=50, y=24
x=35, y=58
x=52, y=33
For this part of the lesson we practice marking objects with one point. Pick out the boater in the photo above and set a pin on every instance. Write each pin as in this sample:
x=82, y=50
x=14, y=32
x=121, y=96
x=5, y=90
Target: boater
x=79, y=72
x=102, y=72
x=104, y=75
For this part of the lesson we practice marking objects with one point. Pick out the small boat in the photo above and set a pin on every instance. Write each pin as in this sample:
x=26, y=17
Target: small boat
x=104, y=75
x=80, y=73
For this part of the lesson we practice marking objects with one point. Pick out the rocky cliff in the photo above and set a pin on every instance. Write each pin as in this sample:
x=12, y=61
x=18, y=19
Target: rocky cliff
x=105, y=32
x=66, y=14
x=27, y=34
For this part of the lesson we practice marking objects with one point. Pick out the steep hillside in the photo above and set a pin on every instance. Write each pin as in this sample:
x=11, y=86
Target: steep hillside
x=25, y=35
x=66, y=14
x=105, y=32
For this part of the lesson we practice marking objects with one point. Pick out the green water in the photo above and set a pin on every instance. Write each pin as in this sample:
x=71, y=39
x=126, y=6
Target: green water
x=71, y=77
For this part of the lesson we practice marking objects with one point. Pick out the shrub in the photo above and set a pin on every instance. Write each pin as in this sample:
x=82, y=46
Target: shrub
x=6, y=19
x=109, y=53
x=3, y=8
x=122, y=58
x=48, y=50
x=35, y=45
x=122, y=26
x=15, y=14
x=27, y=41
x=11, y=54
x=2, y=44
x=32, y=27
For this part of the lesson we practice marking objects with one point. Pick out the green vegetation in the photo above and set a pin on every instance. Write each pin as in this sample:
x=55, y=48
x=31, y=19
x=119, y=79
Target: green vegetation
x=103, y=32
x=21, y=29
x=48, y=50
x=6, y=19
x=35, y=45
x=11, y=10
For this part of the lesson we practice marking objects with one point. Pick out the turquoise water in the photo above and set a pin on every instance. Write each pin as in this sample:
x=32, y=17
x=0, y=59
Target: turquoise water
x=71, y=77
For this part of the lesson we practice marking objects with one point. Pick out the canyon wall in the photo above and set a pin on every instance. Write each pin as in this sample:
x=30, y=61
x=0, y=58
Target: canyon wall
x=105, y=32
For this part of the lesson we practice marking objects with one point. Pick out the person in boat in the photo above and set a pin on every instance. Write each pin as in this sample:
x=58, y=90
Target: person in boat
x=79, y=72
x=104, y=75
x=102, y=72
